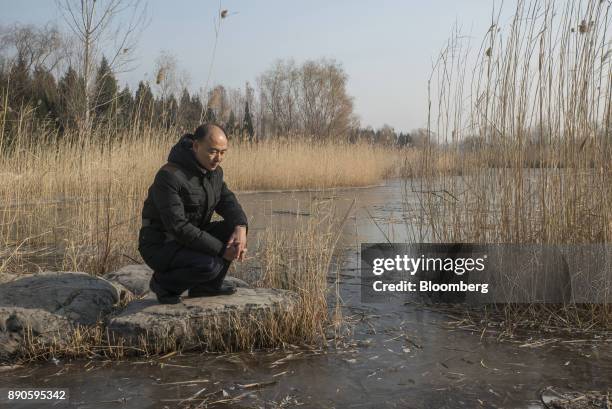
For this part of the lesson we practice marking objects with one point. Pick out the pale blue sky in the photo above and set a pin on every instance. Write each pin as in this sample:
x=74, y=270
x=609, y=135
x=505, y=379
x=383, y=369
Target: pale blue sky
x=386, y=47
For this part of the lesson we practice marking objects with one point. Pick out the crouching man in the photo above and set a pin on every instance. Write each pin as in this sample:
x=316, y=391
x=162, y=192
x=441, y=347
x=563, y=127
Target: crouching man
x=178, y=240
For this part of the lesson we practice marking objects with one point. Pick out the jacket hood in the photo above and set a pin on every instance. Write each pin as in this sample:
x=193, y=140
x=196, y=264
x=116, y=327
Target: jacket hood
x=182, y=154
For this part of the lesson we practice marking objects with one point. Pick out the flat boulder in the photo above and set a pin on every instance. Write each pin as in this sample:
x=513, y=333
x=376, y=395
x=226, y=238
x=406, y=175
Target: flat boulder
x=18, y=324
x=78, y=297
x=194, y=321
x=135, y=277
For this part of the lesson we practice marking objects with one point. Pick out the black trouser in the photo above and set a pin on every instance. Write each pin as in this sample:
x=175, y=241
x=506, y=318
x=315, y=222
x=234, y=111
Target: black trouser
x=189, y=268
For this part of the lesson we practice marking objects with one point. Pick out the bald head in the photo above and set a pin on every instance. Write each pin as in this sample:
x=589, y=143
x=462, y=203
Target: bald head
x=212, y=131
x=210, y=145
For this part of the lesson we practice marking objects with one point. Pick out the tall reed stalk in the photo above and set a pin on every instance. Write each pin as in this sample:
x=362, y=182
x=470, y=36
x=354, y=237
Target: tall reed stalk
x=524, y=119
x=535, y=106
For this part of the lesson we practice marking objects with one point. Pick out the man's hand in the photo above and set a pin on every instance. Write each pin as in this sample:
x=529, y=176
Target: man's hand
x=231, y=253
x=236, y=245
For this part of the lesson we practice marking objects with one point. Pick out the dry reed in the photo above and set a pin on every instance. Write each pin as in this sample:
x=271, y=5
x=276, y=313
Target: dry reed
x=525, y=124
x=298, y=261
x=74, y=203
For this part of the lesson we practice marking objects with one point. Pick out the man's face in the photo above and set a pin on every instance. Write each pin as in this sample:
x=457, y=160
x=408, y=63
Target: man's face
x=209, y=151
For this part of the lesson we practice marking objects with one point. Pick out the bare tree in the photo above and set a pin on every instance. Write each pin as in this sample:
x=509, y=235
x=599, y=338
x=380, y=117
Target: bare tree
x=99, y=28
x=279, y=94
x=311, y=98
x=38, y=47
x=218, y=101
x=326, y=107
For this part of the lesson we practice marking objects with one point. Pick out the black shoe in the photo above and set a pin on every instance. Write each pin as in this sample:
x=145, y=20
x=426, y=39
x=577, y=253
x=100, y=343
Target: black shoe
x=204, y=291
x=163, y=296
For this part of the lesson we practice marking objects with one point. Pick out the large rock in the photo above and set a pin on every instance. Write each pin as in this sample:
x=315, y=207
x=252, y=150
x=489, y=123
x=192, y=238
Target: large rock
x=39, y=326
x=79, y=297
x=193, y=322
x=42, y=309
x=135, y=277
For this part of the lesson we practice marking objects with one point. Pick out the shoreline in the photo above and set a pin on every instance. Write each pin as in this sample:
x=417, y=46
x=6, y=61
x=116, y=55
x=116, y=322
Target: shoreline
x=325, y=189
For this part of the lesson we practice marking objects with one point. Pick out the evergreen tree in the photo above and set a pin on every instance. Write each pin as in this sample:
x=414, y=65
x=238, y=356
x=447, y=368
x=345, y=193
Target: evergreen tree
x=404, y=139
x=196, y=107
x=20, y=87
x=72, y=100
x=171, y=112
x=248, y=122
x=231, y=123
x=105, y=91
x=17, y=86
x=189, y=109
x=184, y=107
x=45, y=95
x=125, y=106
x=144, y=103
x=159, y=113
x=210, y=116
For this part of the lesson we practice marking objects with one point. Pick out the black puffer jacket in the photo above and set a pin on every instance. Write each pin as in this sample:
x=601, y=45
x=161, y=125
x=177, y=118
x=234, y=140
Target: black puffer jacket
x=180, y=204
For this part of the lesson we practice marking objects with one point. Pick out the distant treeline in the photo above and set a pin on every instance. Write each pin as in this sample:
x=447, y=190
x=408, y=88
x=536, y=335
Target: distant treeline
x=35, y=98
x=44, y=88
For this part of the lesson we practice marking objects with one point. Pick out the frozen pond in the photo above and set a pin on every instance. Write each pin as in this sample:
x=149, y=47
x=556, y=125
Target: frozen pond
x=400, y=354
